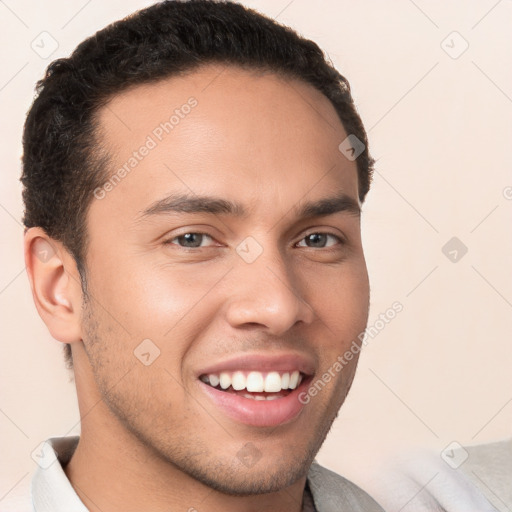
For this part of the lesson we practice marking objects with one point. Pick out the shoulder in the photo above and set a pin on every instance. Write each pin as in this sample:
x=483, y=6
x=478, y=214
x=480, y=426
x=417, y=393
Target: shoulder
x=428, y=481
x=332, y=492
x=497, y=455
x=489, y=467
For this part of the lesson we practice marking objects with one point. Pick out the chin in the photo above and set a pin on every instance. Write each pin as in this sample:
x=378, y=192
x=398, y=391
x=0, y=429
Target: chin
x=235, y=481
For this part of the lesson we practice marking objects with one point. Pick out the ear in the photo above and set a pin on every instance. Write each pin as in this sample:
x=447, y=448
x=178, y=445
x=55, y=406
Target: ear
x=55, y=284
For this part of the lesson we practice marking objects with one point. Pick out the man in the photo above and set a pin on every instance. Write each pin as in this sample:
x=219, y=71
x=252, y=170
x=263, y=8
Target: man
x=193, y=179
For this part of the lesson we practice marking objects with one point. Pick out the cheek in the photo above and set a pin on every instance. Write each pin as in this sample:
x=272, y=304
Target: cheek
x=341, y=300
x=160, y=303
x=152, y=300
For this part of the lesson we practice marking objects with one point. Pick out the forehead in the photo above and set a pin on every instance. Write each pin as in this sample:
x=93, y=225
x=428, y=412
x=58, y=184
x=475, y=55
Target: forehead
x=227, y=131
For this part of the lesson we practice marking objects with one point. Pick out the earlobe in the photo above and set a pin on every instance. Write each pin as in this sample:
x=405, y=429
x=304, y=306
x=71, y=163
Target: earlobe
x=55, y=285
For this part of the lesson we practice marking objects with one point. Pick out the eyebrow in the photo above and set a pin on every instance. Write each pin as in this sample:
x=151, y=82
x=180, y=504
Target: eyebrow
x=185, y=203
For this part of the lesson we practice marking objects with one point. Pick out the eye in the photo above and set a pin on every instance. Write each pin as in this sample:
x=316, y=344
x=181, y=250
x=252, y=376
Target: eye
x=190, y=240
x=320, y=240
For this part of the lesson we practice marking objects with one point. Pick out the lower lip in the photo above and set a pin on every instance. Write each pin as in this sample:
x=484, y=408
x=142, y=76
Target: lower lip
x=258, y=413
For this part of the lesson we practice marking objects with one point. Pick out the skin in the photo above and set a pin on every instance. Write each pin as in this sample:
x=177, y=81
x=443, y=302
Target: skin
x=150, y=439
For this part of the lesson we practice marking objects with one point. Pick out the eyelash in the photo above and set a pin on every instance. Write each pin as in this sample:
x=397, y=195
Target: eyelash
x=337, y=237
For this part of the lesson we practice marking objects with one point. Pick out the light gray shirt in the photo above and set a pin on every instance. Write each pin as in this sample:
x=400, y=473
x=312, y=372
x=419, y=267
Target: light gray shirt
x=489, y=466
x=463, y=479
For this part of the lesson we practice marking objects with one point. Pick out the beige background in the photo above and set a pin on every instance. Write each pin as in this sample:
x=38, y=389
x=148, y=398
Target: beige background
x=440, y=128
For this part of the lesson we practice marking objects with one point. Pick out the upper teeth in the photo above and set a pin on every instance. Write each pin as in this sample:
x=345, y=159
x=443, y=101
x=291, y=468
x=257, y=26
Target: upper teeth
x=271, y=382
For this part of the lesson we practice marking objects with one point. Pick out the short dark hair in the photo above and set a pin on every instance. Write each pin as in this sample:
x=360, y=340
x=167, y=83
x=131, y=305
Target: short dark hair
x=60, y=172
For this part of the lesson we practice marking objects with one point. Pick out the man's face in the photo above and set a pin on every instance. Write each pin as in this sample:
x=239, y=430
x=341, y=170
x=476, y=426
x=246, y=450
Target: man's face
x=265, y=289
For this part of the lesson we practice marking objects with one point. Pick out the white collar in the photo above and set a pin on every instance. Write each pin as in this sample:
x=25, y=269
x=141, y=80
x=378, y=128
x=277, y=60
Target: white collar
x=51, y=491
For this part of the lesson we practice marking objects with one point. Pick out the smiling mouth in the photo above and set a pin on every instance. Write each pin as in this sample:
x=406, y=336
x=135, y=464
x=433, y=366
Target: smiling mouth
x=255, y=385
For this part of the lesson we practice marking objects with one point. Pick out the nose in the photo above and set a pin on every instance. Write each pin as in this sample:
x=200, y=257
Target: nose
x=265, y=293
